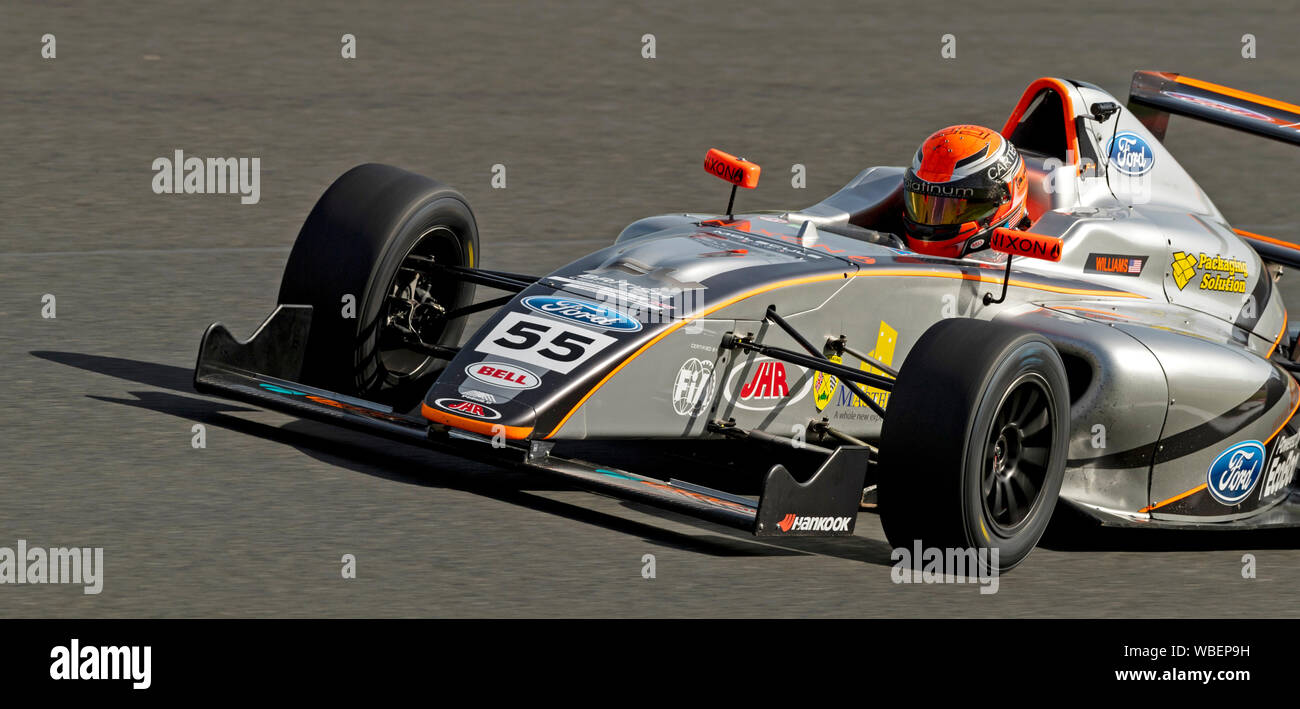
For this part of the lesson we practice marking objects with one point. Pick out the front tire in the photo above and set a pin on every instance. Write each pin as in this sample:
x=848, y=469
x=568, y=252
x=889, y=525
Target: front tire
x=974, y=442
x=358, y=244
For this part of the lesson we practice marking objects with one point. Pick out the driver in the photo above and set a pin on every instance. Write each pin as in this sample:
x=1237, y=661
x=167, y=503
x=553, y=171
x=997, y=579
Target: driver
x=964, y=182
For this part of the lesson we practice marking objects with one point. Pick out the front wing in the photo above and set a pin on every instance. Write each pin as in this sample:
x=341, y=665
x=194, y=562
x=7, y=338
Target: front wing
x=261, y=371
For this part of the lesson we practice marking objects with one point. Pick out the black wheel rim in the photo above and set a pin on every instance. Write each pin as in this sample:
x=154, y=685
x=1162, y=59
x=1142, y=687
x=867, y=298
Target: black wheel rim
x=413, y=286
x=1017, y=454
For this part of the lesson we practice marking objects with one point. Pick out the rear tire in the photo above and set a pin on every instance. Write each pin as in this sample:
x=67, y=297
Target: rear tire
x=973, y=448
x=354, y=243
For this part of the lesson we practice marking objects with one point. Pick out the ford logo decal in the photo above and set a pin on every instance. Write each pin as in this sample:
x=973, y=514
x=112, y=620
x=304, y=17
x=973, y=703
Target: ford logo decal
x=1233, y=475
x=1131, y=155
x=582, y=312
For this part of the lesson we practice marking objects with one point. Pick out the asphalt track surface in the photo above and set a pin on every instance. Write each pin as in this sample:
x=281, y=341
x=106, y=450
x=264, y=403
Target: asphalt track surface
x=96, y=407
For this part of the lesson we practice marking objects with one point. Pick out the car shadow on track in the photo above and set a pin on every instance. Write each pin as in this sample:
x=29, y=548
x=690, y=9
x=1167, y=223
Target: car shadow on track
x=413, y=465
x=163, y=376
x=1071, y=531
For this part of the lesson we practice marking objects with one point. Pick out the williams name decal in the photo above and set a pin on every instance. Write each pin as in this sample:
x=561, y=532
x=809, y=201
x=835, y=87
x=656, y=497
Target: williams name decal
x=1115, y=264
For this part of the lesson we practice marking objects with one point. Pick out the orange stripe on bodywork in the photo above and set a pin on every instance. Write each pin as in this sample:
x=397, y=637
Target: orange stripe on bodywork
x=815, y=279
x=1276, y=242
x=1175, y=498
x=1285, y=421
x=1202, y=486
x=674, y=327
x=486, y=428
x=1110, y=313
x=1278, y=339
x=998, y=279
x=1236, y=93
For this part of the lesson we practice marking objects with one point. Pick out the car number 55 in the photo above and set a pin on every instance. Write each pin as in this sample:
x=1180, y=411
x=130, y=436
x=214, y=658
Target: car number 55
x=556, y=346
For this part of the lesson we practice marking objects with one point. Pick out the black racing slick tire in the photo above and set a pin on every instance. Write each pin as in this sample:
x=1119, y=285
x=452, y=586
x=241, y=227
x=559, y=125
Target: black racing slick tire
x=353, y=263
x=974, y=442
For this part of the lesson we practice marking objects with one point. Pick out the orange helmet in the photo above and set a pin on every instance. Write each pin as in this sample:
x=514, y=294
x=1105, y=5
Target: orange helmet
x=964, y=181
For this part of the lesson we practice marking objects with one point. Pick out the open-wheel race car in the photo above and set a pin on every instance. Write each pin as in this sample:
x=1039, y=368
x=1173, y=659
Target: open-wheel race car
x=1127, y=355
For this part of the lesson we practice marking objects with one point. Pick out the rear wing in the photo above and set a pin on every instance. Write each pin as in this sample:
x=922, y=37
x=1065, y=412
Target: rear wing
x=1154, y=95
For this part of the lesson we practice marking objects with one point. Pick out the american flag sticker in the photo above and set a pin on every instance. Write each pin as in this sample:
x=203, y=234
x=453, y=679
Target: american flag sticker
x=1115, y=264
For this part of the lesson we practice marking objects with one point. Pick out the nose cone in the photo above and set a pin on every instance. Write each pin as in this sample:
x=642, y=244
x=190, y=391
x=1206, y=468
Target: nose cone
x=479, y=407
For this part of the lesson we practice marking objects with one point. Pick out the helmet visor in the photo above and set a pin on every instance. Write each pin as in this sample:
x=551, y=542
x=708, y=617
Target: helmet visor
x=933, y=210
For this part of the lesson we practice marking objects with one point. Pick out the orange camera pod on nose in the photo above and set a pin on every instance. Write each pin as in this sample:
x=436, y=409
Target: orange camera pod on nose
x=726, y=166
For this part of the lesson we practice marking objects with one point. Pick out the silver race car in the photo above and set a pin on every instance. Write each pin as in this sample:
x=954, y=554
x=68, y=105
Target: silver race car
x=1128, y=356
